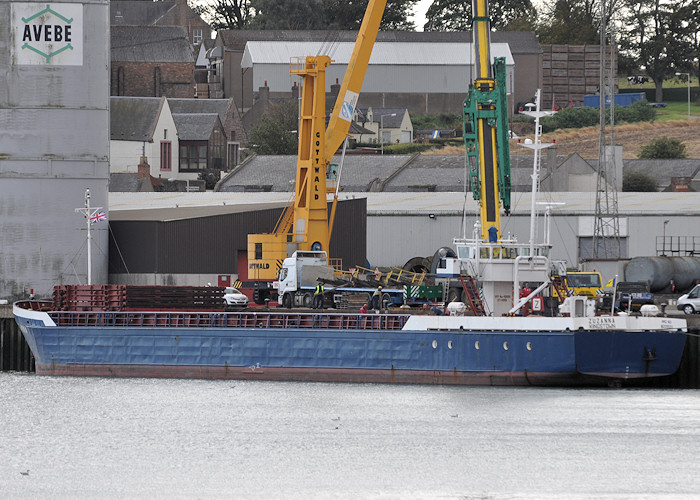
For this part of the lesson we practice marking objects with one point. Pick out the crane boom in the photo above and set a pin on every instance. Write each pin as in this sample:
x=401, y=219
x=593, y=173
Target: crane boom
x=486, y=128
x=305, y=224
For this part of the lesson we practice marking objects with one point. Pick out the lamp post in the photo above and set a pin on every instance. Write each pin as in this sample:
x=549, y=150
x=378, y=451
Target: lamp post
x=381, y=129
x=663, y=250
x=688, y=76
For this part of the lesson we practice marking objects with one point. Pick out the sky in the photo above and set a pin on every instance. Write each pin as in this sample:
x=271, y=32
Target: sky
x=419, y=13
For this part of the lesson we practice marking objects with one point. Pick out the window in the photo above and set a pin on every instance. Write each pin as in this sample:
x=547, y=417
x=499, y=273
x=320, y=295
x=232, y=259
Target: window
x=193, y=156
x=197, y=36
x=258, y=251
x=166, y=155
x=234, y=154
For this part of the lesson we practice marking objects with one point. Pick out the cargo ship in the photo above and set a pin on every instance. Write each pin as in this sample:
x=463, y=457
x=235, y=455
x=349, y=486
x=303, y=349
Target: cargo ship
x=572, y=350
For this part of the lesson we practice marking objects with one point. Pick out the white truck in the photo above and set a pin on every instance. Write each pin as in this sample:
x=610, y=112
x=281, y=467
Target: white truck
x=299, y=275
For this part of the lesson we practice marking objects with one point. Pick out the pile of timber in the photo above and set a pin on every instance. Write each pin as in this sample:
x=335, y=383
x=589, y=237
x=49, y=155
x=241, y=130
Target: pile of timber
x=138, y=298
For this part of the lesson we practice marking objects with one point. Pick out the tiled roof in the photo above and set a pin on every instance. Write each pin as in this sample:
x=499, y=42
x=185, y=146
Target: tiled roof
x=150, y=44
x=133, y=118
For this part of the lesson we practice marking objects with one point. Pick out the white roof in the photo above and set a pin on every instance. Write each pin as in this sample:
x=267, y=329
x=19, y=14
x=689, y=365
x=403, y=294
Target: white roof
x=386, y=53
x=572, y=203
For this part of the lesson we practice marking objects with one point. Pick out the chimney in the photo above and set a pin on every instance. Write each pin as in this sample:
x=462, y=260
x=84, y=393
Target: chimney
x=335, y=89
x=144, y=169
x=264, y=93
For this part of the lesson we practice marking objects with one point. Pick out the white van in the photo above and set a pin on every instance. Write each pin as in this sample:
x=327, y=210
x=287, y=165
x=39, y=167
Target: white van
x=690, y=302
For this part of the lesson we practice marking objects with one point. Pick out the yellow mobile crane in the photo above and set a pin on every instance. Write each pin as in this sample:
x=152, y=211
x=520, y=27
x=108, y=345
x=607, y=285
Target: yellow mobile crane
x=486, y=128
x=305, y=224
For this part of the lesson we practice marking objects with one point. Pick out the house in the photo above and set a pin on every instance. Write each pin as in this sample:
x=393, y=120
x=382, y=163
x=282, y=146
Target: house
x=142, y=131
x=151, y=61
x=201, y=143
x=162, y=13
x=236, y=137
x=149, y=137
x=389, y=125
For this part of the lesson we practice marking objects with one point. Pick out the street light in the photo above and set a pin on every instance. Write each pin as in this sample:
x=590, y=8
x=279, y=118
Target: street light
x=688, y=75
x=381, y=129
x=663, y=251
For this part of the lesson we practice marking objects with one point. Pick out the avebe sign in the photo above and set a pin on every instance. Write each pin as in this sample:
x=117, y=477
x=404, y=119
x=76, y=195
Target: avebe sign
x=47, y=34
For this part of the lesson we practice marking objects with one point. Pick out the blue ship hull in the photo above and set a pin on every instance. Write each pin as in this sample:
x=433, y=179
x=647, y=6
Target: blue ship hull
x=327, y=347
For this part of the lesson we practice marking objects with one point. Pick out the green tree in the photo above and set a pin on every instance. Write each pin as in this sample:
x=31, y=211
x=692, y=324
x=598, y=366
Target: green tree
x=326, y=14
x=569, y=22
x=663, y=148
x=661, y=37
x=276, y=131
x=638, y=182
x=455, y=15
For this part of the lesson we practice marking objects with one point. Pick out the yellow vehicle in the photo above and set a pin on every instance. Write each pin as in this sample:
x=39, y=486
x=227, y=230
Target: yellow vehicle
x=306, y=224
x=584, y=283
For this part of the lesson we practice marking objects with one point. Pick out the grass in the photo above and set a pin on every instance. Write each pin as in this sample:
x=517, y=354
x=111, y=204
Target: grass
x=677, y=111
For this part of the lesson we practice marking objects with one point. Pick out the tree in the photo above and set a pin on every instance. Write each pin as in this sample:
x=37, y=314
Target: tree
x=226, y=14
x=276, y=132
x=660, y=36
x=569, y=22
x=326, y=14
x=663, y=148
x=638, y=182
x=455, y=15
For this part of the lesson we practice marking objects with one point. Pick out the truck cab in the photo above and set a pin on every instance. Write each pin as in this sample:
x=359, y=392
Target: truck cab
x=299, y=275
x=584, y=283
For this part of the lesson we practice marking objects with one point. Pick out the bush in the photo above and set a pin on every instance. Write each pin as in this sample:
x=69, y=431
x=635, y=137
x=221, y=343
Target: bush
x=640, y=111
x=210, y=177
x=638, y=182
x=663, y=148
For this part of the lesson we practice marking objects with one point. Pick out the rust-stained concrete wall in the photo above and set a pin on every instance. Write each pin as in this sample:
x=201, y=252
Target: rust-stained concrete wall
x=54, y=143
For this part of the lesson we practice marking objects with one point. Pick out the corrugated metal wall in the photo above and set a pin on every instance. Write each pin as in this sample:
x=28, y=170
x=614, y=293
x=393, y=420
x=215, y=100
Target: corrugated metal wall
x=54, y=143
x=210, y=245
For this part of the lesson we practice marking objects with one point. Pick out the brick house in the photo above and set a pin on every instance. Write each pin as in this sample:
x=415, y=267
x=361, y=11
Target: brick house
x=151, y=61
x=168, y=13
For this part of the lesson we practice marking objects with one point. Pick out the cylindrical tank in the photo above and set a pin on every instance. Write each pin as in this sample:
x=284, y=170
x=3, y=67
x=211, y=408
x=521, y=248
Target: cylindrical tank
x=659, y=271
x=685, y=271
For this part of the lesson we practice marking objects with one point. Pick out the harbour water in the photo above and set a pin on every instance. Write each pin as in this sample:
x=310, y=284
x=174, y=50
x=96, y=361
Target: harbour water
x=149, y=438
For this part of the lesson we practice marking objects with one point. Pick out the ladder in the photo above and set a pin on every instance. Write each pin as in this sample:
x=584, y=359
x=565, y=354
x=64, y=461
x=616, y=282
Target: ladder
x=471, y=293
x=559, y=288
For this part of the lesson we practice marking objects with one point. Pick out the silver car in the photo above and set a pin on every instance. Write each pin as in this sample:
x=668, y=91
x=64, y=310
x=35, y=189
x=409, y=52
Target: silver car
x=690, y=302
x=234, y=297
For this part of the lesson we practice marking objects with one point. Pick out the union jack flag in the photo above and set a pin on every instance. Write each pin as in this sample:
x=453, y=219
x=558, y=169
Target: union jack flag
x=98, y=216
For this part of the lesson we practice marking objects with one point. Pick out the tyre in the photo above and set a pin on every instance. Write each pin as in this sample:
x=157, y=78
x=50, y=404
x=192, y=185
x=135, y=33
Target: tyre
x=688, y=309
x=454, y=295
x=308, y=300
x=287, y=300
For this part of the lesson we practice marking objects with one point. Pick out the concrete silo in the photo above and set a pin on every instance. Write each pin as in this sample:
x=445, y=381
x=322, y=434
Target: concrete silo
x=54, y=142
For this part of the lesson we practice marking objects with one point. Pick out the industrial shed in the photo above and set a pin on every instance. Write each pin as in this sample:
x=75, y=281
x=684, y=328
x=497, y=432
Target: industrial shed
x=193, y=240
x=238, y=82
x=423, y=70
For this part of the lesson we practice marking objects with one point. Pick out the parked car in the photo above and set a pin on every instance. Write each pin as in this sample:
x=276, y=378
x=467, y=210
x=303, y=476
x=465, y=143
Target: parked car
x=633, y=295
x=235, y=298
x=690, y=302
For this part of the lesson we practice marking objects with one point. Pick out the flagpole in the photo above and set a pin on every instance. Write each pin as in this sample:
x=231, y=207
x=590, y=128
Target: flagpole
x=89, y=213
x=89, y=236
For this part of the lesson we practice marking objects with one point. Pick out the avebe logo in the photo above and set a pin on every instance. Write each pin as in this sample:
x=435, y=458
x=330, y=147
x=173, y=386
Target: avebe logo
x=44, y=38
x=49, y=34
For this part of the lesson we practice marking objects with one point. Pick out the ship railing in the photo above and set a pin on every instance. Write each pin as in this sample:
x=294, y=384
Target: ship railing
x=287, y=320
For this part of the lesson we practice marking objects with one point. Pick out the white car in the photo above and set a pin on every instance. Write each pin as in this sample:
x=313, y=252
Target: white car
x=690, y=302
x=233, y=297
